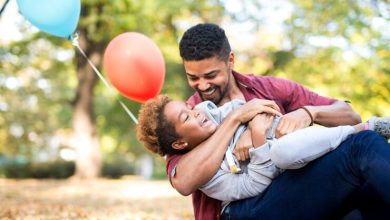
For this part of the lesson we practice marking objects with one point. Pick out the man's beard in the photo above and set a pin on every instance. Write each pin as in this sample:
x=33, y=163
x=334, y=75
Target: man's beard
x=218, y=97
x=221, y=93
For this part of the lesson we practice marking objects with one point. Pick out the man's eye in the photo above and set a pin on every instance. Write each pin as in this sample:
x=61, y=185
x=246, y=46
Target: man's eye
x=210, y=76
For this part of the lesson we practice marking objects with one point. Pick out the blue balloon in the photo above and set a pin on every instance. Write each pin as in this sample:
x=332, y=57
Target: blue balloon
x=56, y=17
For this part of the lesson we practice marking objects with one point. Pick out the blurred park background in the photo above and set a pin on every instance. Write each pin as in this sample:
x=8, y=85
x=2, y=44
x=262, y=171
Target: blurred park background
x=51, y=98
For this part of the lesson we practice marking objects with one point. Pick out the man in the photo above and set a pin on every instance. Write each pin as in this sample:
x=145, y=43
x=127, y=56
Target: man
x=209, y=63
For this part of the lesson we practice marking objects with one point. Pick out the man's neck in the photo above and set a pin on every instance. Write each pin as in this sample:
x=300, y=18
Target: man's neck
x=233, y=93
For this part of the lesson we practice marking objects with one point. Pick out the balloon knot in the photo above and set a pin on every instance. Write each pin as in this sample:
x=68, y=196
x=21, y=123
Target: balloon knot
x=74, y=38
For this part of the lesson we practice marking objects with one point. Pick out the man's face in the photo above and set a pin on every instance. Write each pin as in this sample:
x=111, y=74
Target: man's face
x=193, y=126
x=211, y=77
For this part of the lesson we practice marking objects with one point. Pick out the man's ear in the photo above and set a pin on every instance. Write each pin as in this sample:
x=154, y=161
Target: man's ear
x=179, y=145
x=231, y=60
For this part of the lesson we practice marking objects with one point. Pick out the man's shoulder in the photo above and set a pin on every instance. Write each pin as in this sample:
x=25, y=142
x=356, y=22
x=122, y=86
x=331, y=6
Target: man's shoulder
x=250, y=78
x=172, y=157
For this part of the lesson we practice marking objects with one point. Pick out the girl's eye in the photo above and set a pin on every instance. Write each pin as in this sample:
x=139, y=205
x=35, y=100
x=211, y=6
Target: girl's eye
x=186, y=118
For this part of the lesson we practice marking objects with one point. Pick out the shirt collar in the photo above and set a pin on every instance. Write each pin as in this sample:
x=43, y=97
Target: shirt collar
x=242, y=80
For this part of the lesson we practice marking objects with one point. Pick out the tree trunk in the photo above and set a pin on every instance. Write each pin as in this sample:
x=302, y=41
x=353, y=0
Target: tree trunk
x=85, y=138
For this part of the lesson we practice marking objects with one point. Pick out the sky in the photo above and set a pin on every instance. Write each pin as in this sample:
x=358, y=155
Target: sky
x=10, y=21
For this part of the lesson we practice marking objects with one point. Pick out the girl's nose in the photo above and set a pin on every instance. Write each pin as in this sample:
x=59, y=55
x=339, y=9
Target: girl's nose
x=196, y=113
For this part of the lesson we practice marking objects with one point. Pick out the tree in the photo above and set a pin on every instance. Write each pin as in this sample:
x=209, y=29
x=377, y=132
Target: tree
x=100, y=21
x=339, y=49
x=96, y=18
x=49, y=90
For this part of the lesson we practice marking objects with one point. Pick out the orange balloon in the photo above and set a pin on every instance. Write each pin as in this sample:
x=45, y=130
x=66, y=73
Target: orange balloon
x=135, y=66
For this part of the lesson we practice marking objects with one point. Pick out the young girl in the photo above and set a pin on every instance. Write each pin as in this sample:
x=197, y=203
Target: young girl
x=167, y=126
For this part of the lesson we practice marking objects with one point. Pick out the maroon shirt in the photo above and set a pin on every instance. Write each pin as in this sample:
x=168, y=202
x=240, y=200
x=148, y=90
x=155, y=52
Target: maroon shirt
x=288, y=95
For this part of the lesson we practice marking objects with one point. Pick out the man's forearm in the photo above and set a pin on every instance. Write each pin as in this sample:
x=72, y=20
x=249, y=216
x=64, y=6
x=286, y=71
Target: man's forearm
x=339, y=113
x=199, y=165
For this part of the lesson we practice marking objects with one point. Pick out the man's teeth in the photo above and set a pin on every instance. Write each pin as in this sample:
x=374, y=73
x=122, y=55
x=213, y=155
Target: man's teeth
x=209, y=92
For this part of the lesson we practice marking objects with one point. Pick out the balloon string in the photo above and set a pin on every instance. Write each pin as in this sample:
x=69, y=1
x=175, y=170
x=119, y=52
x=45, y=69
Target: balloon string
x=75, y=42
x=3, y=7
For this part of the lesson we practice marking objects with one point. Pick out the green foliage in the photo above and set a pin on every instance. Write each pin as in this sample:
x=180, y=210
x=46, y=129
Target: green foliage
x=159, y=171
x=335, y=48
x=338, y=50
x=35, y=83
x=40, y=108
x=161, y=21
x=58, y=169
x=116, y=165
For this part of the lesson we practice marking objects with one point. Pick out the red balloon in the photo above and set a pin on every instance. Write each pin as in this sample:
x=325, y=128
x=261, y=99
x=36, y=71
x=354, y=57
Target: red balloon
x=135, y=66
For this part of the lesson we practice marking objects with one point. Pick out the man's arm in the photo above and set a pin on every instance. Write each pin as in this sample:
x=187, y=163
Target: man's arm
x=337, y=113
x=198, y=166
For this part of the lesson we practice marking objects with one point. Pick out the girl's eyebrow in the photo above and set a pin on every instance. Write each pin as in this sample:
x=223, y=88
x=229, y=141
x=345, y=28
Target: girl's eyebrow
x=180, y=114
x=189, y=106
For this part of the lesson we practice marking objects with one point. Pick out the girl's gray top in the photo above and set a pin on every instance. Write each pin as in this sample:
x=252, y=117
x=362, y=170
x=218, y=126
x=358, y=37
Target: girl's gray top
x=266, y=162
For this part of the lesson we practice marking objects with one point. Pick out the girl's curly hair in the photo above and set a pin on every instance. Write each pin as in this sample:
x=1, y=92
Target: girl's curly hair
x=153, y=129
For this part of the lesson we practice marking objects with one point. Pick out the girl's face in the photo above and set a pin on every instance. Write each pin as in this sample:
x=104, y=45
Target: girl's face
x=192, y=125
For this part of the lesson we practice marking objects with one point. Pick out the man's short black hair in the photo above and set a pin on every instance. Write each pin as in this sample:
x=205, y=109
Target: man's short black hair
x=204, y=41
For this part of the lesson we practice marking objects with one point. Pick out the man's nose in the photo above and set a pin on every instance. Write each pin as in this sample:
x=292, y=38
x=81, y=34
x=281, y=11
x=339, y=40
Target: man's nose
x=203, y=85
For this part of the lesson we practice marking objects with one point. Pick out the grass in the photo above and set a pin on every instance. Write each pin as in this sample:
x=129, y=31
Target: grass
x=129, y=198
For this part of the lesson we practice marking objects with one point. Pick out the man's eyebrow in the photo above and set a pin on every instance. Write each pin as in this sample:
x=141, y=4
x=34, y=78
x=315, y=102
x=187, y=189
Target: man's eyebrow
x=204, y=74
x=210, y=73
x=190, y=75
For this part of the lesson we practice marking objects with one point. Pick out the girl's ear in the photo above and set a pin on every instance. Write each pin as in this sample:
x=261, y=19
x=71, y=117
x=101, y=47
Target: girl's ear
x=179, y=145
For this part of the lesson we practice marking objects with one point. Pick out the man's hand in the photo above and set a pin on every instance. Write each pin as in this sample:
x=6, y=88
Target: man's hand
x=256, y=106
x=292, y=121
x=241, y=151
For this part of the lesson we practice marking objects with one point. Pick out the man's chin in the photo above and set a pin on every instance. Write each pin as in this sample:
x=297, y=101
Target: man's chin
x=215, y=98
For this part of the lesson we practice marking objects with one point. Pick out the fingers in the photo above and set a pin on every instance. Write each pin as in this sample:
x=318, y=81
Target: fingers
x=287, y=125
x=269, y=103
x=242, y=154
x=237, y=154
x=272, y=104
x=267, y=106
x=282, y=129
x=256, y=106
x=246, y=153
x=270, y=110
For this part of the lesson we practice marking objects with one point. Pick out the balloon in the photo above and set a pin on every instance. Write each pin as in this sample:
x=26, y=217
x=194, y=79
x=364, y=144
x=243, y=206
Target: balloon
x=135, y=66
x=56, y=17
